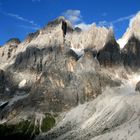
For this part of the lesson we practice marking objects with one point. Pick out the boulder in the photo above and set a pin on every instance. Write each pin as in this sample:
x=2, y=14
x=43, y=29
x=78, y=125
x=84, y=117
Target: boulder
x=138, y=87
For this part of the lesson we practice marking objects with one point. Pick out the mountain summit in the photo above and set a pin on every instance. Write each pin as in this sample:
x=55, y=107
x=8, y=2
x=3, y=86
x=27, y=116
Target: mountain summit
x=132, y=30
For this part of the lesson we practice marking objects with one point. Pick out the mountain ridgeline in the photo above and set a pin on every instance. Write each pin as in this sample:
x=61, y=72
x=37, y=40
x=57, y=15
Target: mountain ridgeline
x=59, y=71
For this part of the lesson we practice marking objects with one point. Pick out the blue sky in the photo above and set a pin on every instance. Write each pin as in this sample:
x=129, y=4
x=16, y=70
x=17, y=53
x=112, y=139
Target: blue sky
x=20, y=17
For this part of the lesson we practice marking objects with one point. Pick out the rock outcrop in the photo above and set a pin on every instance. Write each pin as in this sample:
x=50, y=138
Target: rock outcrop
x=131, y=54
x=138, y=87
x=110, y=54
x=8, y=50
x=94, y=38
x=2, y=81
x=130, y=45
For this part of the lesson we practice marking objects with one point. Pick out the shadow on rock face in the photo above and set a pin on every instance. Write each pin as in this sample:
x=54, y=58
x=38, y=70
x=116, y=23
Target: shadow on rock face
x=26, y=129
x=110, y=54
x=138, y=87
x=131, y=54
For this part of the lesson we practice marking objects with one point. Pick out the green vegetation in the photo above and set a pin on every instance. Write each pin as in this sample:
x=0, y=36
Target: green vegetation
x=25, y=129
x=22, y=130
x=47, y=123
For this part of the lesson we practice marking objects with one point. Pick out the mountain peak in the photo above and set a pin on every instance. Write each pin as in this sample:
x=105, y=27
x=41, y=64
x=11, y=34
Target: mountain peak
x=132, y=30
x=13, y=41
x=61, y=18
x=58, y=22
x=135, y=21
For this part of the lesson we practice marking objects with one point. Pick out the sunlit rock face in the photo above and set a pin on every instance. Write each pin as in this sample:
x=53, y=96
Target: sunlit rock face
x=94, y=38
x=8, y=50
x=13, y=41
x=69, y=79
x=31, y=36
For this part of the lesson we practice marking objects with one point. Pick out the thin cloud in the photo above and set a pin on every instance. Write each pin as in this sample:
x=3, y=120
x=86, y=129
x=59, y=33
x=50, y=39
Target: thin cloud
x=111, y=23
x=20, y=18
x=85, y=26
x=74, y=16
x=105, y=23
x=123, y=19
x=134, y=18
x=29, y=27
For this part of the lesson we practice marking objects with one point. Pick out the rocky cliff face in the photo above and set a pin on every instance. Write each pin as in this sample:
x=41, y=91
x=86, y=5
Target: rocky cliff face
x=110, y=54
x=57, y=69
x=8, y=50
x=131, y=53
x=130, y=43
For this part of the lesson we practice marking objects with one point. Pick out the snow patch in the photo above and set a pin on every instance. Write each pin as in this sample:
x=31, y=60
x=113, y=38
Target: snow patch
x=122, y=42
x=78, y=51
x=22, y=83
